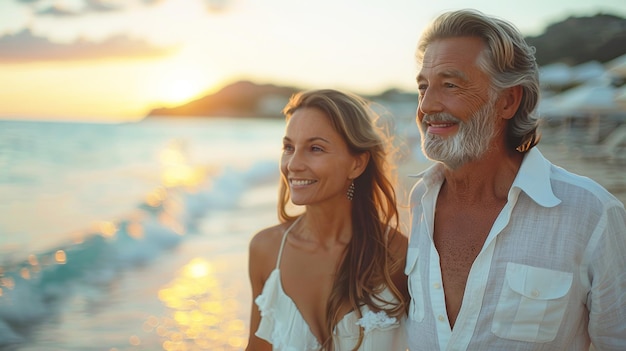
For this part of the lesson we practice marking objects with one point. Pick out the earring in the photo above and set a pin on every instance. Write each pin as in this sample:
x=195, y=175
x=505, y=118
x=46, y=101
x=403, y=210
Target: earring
x=350, y=192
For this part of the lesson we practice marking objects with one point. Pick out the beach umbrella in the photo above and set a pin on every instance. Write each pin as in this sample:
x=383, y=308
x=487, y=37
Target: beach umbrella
x=588, y=71
x=617, y=66
x=590, y=102
x=555, y=75
x=589, y=99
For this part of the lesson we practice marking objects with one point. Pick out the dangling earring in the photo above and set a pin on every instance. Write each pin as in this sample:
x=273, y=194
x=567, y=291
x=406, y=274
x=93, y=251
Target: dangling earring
x=350, y=192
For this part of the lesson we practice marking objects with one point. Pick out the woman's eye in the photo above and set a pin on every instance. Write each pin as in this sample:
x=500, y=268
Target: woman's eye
x=316, y=148
x=287, y=147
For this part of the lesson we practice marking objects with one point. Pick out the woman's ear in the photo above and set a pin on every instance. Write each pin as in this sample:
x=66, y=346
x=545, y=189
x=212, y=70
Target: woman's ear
x=510, y=99
x=360, y=163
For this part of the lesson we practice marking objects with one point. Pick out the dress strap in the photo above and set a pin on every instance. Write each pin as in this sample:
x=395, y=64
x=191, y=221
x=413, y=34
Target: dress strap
x=282, y=243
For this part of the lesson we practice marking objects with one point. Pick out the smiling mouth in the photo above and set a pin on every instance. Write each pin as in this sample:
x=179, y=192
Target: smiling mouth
x=440, y=124
x=301, y=182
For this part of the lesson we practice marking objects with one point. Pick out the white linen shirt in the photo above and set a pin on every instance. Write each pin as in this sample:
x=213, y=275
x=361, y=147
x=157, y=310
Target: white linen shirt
x=551, y=274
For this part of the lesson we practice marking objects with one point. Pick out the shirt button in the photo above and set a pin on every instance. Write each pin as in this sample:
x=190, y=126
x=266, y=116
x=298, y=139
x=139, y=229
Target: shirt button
x=441, y=318
x=534, y=293
x=436, y=285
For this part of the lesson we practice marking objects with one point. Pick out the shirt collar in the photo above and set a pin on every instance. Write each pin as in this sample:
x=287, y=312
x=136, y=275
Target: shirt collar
x=533, y=178
x=431, y=175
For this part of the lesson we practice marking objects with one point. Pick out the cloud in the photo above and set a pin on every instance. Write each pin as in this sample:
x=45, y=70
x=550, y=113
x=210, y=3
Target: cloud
x=102, y=6
x=24, y=47
x=57, y=11
x=217, y=5
x=84, y=7
x=80, y=7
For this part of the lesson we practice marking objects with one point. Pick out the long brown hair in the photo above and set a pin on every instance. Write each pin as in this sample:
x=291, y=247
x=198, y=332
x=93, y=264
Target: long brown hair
x=366, y=268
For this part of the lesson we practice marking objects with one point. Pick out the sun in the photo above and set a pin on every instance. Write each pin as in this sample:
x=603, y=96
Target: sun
x=181, y=90
x=181, y=87
x=180, y=82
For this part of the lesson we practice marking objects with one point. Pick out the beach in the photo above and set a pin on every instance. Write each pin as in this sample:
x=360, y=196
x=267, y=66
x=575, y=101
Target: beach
x=114, y=262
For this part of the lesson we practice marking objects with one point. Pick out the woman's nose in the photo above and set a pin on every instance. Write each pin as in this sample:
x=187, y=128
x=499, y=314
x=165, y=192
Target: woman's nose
x=295, y=161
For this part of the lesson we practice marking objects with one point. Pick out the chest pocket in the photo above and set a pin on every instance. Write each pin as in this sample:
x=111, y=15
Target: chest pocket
x=532, y=303
x=414, y=274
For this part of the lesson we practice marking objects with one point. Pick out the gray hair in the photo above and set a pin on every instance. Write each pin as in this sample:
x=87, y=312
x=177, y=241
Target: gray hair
x=507, y=59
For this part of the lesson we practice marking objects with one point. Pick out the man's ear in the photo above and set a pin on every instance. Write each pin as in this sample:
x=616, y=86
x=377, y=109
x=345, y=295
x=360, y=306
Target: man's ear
x=509, y=102
x=360, y=163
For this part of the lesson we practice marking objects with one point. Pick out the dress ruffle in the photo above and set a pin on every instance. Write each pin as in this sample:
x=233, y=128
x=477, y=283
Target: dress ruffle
x=281, y=323
x=376, y=320
x=283, y=326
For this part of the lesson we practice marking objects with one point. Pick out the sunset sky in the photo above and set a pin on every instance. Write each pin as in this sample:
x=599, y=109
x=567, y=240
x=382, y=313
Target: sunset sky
x=112, y=60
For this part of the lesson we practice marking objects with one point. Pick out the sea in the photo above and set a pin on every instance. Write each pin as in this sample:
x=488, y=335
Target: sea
x=134, y=236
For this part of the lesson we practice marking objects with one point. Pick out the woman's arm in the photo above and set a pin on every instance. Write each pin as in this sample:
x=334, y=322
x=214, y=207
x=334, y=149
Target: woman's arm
x=259, y=268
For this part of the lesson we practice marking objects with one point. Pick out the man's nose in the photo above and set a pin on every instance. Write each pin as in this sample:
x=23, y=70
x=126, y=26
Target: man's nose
x=429, y=102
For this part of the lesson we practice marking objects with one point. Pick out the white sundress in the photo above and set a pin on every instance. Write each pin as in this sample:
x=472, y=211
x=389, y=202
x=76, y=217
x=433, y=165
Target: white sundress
x=283, y=326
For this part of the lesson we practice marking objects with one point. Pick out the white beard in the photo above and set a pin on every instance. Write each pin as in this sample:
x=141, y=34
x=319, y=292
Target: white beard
x=470, y=142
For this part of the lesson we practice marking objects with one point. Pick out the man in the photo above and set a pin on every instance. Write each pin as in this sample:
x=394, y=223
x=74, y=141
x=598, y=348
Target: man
x=507, y=251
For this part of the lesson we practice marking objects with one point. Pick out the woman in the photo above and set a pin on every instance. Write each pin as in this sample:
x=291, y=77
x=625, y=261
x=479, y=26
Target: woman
x=331, y=277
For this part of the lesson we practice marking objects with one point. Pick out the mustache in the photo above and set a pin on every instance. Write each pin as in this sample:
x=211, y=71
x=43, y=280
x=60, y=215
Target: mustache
x=440, y=117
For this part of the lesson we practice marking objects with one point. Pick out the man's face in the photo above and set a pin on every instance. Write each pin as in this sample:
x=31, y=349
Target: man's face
x=470, y=142
x=456, y=114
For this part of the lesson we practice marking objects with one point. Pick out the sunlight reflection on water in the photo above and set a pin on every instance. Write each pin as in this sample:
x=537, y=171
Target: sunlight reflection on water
x=202, y=313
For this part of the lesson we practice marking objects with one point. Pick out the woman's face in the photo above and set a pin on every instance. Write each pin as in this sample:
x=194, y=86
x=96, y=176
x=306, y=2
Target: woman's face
x=315, y=161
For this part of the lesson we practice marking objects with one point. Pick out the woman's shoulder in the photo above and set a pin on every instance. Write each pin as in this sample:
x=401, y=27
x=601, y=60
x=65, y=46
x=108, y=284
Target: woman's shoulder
x=265, y=244
x=268, y=237
x=263, y=252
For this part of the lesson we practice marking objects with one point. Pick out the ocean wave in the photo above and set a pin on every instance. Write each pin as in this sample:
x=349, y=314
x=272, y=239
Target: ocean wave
x=33, y=289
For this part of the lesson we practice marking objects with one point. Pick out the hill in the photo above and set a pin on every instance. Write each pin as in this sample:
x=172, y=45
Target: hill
x=578, y=40
x=573, y=41
x=240, y=99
